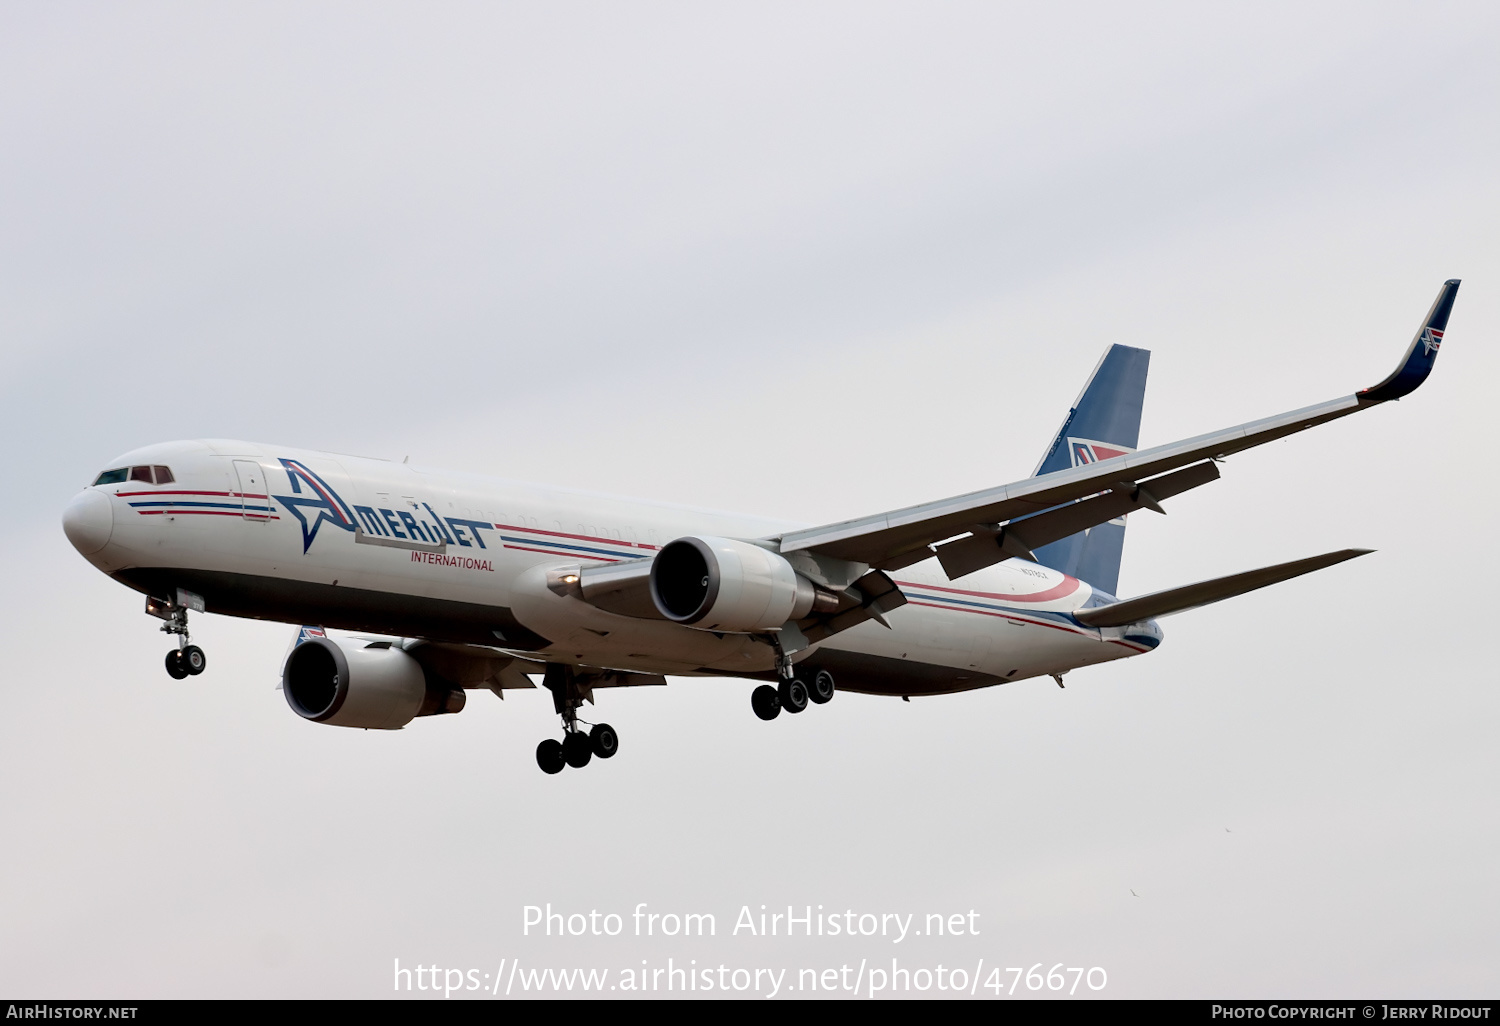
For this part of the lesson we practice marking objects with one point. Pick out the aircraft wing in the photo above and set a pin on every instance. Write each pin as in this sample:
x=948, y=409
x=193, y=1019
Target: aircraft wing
x=901, y=537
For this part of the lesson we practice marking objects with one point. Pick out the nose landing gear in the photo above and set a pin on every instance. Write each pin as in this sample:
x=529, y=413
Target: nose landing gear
x=579, y=744
x=186, y=660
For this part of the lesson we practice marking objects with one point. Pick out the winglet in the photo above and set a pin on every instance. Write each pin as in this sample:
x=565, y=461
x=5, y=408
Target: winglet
x=1422, y=354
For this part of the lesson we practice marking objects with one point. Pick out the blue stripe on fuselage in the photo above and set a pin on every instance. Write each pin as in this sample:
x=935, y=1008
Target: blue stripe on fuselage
x=554, y=544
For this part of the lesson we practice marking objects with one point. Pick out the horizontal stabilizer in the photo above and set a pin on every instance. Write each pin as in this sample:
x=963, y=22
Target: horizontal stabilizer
x=990, y=544
x=1191, y=596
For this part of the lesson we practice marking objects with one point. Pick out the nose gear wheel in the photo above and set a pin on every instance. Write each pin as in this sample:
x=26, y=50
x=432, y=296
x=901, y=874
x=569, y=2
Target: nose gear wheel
x=187, y=659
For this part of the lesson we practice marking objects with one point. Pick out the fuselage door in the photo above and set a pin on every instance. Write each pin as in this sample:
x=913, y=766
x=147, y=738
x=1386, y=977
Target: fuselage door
x=254, y=501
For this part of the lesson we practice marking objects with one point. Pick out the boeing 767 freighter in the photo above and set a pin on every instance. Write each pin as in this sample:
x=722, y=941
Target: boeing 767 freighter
x=443, y=582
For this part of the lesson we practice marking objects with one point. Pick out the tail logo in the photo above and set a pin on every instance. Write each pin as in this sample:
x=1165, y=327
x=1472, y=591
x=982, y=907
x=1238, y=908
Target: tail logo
x=1431, y=339
x=1083, y=451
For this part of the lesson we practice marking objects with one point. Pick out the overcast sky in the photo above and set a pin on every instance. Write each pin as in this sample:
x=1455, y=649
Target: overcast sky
x=801, y=260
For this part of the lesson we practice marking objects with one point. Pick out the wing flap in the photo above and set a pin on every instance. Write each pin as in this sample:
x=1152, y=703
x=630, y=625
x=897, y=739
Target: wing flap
x=991, y=543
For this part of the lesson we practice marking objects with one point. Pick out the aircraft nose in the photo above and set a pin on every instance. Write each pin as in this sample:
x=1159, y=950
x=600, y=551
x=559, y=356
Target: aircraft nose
x=88, y=521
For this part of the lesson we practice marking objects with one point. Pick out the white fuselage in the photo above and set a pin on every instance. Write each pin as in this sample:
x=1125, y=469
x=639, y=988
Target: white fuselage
x=362, y=544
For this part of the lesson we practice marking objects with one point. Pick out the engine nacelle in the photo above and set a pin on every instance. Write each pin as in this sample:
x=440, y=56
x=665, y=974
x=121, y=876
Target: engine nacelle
x=719, y=584
x=362, y=684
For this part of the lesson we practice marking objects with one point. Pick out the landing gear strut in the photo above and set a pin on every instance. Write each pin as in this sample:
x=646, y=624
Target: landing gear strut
x=186, y=659
x=579, y=745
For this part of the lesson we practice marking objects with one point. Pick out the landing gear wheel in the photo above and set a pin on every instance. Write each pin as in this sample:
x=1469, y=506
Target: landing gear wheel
x=549, y=756
x=793, y=694
x=604, y=740
x=821, y=689
x=577, y=750
x=176, y=669
x=765, y=702
x=193, y=660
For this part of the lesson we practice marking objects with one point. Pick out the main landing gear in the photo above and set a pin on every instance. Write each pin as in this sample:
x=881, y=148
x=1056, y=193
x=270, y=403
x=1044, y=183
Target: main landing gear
x=186, y=660
x=579, y=744
x=792, y=693
x=577, y=748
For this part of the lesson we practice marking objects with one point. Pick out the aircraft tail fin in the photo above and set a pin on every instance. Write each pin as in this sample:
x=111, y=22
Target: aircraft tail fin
x=1176, y=600
x=1104, y=422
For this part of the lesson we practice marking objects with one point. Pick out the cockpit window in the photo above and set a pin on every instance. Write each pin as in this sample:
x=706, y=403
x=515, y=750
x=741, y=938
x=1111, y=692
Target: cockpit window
x=150, y=475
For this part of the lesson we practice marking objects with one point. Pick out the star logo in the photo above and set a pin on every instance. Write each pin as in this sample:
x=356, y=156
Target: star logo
x=1431, y=339
x=310, y=492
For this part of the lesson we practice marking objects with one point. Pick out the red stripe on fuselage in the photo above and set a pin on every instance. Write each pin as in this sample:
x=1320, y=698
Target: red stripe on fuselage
x=1068, y=586
x=1004, y=616
x=575, y=537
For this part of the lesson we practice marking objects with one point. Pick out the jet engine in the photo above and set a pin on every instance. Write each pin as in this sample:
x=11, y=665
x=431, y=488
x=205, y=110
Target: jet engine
x=720, y=584
x=350, y=683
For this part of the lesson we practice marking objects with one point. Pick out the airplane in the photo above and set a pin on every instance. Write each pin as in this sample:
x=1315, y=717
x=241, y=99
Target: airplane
x=439, y=583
